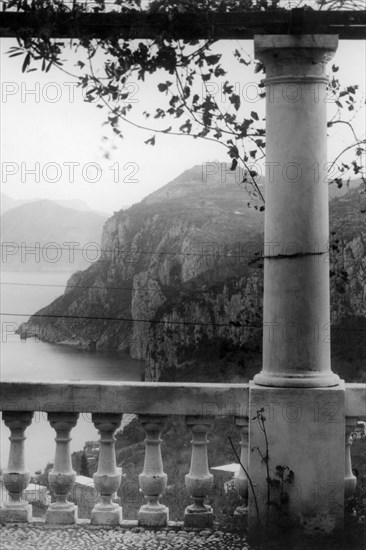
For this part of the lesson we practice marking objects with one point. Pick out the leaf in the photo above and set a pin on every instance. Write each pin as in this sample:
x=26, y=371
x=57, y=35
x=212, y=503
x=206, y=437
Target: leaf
x=235, y=100
x=254, y=115
x=335, y=68
x=162, y=87
x=26, y=62
x=212, y=59
x=258, y=67
x=275, y=482
x=186, y=91
x=150, y=141
x=234, y=164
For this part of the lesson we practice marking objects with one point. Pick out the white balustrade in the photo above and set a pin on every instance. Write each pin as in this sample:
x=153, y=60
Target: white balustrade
x=16, y=477
x=199, y=481
x=152, y=413
x=153, y=480
x=62, y=477
x=107, y=479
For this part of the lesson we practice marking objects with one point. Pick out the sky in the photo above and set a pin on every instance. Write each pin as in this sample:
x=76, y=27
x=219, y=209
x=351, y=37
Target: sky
x=53, y=143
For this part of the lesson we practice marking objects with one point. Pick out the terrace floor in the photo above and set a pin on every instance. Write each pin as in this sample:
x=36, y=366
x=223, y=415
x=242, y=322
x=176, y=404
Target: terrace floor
x=38, y=536
x=41, y=537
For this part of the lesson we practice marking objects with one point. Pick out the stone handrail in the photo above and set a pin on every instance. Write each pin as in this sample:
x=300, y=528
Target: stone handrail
x=126, y=397
x=153, y=403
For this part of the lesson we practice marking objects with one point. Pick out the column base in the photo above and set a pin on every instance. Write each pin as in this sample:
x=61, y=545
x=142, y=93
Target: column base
x=305, y=429
x=198, y=518
x=62, y=514
x=153, y=516
x=16, y=513
x=306, y=380
x=106, y=515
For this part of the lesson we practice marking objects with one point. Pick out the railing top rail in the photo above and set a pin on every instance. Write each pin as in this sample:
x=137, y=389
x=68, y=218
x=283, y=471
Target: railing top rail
x=126, y=397
x=162, y=398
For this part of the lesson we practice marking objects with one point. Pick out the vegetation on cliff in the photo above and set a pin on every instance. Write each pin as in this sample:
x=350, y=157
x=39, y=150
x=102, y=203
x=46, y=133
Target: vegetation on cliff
x=179, y=283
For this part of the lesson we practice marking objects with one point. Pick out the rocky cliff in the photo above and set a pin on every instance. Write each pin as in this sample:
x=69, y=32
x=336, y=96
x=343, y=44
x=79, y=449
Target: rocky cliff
x=180, y=276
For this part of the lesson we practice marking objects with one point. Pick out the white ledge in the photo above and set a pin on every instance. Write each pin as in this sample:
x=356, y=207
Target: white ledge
x=163, y=398
x=126, y=397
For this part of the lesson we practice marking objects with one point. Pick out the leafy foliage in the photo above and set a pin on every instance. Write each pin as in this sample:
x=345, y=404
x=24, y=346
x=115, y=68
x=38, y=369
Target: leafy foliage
x=194, y=72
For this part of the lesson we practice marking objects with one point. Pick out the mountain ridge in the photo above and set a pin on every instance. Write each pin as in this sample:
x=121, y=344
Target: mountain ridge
x=37, y=225
x=180, y=275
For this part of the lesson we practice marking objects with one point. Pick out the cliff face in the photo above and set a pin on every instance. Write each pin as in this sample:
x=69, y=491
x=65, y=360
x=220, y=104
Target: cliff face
x=348, y=262
x=177, y=275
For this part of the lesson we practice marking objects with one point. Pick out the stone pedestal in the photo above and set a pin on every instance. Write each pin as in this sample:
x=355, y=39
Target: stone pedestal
x=107, y=479
x=62, y=513
x=199, y=481
x=106, y=513
x=16, y=476
x=62, y=477
x=303, y=460
x=240, y=479
x=350, y=480
x=153, y=480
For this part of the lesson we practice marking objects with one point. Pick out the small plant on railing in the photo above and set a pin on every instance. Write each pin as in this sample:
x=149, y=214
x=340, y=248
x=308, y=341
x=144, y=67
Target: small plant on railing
x=283, y=475
x=249, y=480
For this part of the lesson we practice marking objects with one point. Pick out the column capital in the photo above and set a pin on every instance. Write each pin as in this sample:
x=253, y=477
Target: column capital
x=292, y=58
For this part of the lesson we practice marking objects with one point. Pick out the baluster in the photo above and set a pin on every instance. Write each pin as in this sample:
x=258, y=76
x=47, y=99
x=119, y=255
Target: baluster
x=62, y=477
x=153, y=480
x=199, y=481
x=350, y=480
x=240, y=479
x=16, y=477
x=107, y=479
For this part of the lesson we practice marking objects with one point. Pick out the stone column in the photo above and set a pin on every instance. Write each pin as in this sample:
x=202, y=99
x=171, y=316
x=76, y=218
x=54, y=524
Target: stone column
x=16, y=477
x=240, y=479
x=107, y=479
x=62, y=477
x=296, y=342
x=153, y=480
x=199, y=481
x=296, y=454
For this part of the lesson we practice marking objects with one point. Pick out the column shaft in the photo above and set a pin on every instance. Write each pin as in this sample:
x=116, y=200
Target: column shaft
x=296, y=316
